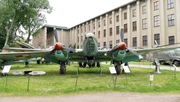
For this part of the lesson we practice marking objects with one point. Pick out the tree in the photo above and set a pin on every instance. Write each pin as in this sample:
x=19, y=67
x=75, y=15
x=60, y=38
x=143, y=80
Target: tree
x=7, y=19
x=21, y=17
x=36, y=17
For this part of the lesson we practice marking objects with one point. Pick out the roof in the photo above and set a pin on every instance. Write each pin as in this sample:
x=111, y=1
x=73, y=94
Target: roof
x=51, y=27
x=106, y=12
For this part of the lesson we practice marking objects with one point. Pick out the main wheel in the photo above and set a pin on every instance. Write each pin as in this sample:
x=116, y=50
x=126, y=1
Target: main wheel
x=38, y=61
x=62, y=69
x=80, y=64
x=118, y=70
x=98, y=64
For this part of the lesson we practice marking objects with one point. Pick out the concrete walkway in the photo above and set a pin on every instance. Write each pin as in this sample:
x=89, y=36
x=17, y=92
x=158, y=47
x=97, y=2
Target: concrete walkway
x=162, y=67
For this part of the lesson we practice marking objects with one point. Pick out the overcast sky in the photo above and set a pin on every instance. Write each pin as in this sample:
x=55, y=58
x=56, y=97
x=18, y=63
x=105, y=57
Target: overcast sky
x=69, y=13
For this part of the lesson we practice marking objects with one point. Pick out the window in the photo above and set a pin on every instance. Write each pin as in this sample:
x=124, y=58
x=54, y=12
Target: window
x=134, y=41
x=134, y=13
x=117, y=29
x=157, y=38
x=171, y=40
x=117, y=18
x=125, y=28
x=104, y=32
x=110, y=44
x=171, y=20
x=156, y=20
x=98, y=44
x=144, y=40
x=156, y=5
x=144, y=10
x=89, y=27
x=99, y=24
x=85, y=29
x=117, y=41
x=110, y=31
x=104, y=22
x=125, y=15
x=98, y=34
x=134, y=26
x=104, y=44
x=94, y=26
x=170, y=4
x=126, y=41
x=78, y=39
x=144, y=23
x=110, y=20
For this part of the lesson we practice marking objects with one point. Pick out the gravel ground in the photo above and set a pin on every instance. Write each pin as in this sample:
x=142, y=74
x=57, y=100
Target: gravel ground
x=99, y=97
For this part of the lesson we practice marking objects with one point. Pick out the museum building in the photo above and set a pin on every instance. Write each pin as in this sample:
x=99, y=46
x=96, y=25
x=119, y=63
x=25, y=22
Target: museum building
x=144, y=21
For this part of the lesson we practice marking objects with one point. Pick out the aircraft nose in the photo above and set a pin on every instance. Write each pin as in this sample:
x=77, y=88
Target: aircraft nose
x=122, y=46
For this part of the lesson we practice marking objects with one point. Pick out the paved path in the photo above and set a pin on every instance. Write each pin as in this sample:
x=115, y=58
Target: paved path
x=99, y=97
x=162, y=67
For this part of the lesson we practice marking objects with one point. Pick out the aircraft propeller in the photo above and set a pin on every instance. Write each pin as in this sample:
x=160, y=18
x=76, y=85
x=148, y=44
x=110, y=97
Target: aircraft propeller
x=58, y=46
x=122, y=45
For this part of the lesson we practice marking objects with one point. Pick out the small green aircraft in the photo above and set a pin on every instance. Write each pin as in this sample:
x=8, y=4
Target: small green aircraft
x=89, y=54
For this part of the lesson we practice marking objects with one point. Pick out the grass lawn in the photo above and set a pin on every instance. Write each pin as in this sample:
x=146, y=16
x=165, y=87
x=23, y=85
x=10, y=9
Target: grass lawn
x=89, y=81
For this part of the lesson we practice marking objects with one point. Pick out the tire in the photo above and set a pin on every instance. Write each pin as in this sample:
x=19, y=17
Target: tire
x=176, y=63
x=98, y=64
x=38, y=61
x=80, y=64
x=162, y=62
x=26, y=63
x=62, y=69
x=118, y=71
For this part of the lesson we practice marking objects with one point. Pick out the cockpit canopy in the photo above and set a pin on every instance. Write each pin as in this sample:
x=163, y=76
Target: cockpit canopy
x=89, y=35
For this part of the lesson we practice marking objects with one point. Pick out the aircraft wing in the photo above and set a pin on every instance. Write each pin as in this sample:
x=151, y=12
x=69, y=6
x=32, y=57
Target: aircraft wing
x=13, y=49
x=101, y=57
x=10, y=57
x=153, y=50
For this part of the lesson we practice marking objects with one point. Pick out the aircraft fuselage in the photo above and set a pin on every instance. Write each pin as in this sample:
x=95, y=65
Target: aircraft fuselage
x=90, y=46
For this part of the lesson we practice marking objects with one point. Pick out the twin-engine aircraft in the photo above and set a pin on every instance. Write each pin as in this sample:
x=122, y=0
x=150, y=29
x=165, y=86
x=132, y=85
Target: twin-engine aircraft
x=89, y=54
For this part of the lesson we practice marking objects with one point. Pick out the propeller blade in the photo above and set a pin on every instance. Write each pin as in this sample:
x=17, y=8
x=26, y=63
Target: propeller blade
x=132, y=51
x=49, y=54
x=55, y=35
x=69, y=49
x=113, y=50
x=122, y=35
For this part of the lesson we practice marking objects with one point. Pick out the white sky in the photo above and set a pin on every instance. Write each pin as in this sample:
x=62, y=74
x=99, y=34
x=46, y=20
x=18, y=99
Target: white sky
x=69, y=13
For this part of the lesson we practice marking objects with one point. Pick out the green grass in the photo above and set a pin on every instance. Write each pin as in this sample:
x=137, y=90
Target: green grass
x=89, y=81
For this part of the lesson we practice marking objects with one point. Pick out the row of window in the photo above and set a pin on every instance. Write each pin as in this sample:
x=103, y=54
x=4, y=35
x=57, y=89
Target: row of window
x=144, y=41
x=170, y=4
x=144, y=25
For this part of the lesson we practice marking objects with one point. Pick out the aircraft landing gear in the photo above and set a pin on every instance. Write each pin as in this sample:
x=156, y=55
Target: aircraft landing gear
x=62, y=68
x=80, y=64
x=38, y=61
x=117, y=66
x=98, y=64
x=26, y=64
x=84, y=65
x=91, y=64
